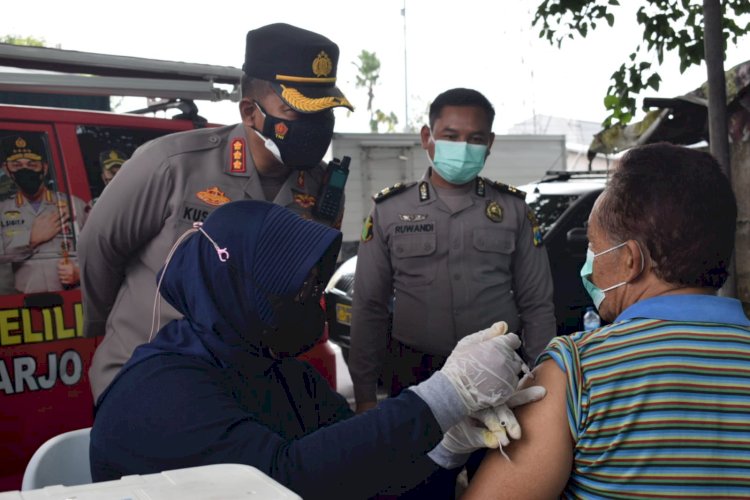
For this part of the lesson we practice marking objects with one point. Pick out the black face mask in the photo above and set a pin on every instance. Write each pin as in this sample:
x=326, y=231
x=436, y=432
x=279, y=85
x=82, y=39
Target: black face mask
x=300, y=143
x=28, y=180
x=299, y=326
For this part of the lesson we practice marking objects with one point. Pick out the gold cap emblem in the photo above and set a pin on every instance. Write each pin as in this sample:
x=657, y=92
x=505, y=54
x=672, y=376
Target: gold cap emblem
x=22, y=150
x=322, y=65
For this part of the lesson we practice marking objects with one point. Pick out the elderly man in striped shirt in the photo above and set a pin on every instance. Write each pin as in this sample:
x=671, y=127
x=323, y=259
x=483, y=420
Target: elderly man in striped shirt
x=657, y=403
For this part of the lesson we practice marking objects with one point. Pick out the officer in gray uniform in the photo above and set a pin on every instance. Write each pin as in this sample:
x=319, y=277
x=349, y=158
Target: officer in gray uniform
x=37, y=227
x=172, y=182
x=455, y=252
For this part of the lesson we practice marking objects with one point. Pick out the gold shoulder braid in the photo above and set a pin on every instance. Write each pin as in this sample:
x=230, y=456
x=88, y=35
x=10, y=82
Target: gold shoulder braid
x=390, y=191
x=505, y=188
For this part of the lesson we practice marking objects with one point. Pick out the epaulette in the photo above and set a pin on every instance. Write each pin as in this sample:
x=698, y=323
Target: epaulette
x=505, y=188
x=390, y=191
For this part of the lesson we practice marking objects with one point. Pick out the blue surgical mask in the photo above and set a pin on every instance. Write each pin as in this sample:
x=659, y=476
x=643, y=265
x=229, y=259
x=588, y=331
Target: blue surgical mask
x=458, y=162
x=597, y=294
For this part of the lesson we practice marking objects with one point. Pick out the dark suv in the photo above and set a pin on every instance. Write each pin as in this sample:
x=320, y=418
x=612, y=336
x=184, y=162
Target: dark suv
x=562, y=202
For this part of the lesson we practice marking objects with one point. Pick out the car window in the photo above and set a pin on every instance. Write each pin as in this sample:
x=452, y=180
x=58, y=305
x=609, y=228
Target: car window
x=549, y=208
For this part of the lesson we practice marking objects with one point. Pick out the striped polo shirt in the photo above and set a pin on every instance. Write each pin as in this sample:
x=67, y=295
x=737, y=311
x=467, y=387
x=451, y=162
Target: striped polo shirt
x=658, y=402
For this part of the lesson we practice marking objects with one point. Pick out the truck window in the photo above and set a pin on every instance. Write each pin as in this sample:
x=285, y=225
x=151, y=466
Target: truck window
x=104, y=149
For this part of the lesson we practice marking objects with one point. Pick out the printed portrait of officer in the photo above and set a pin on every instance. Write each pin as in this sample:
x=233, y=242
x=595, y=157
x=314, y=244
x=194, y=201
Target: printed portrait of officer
x=37, y=222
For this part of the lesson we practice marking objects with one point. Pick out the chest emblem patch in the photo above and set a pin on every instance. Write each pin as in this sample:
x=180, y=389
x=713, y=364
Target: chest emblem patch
x=213, y=196
x=304, y=200
x=494, y=211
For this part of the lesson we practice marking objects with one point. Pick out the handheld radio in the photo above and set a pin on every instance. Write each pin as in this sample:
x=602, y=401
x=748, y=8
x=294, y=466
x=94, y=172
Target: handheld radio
x=329, y=200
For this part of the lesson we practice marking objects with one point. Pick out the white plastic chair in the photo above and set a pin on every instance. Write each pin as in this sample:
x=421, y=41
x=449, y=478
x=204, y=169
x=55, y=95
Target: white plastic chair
x=63, y=459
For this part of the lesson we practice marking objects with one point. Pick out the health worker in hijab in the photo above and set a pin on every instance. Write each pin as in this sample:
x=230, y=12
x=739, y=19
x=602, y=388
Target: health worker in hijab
x=222, y=384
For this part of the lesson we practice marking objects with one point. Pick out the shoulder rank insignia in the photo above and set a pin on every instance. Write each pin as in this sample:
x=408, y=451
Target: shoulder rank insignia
x=237, y=159
x=479, y=187
x=494, y=211
x=536, y=231
x=367, y=229
x=424, y=191
x=390, y=191
x=505, y=188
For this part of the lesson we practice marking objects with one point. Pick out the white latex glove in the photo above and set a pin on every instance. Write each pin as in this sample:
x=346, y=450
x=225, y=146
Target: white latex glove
x=491, y=427
x=483, y=367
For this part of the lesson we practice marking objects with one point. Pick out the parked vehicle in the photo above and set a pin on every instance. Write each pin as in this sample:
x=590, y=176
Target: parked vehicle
x=562, y=202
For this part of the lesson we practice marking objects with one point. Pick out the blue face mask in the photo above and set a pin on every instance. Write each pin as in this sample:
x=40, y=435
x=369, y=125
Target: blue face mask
x=597, y=294
x=458, y=162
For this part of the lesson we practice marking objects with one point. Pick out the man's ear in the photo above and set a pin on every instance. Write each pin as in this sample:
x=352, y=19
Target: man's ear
x=489, y=144
x=635, y=260
x=424, y=135
x=248, y=110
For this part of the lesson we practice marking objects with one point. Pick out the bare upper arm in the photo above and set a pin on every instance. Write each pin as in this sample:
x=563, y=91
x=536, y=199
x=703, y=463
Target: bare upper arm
x=541, y=460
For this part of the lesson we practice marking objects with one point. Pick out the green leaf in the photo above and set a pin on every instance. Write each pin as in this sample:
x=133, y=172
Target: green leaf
x=654, y=81
x=611, y=101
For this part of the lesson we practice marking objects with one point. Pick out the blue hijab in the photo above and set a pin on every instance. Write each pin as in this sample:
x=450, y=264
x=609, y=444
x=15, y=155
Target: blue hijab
x=270, y=249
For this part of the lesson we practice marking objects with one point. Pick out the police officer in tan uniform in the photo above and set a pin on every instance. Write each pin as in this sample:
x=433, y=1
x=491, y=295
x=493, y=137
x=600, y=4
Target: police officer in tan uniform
x=36, y=223
x=274, y=154
x=458, y=251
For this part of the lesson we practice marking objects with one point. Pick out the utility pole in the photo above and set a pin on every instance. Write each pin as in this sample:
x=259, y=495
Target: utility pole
x=718, y=132
x=406, y=79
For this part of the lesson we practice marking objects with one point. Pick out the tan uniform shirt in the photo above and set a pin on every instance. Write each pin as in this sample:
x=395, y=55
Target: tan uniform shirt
x=452, y=273
x=168, y=184
x=35, y=269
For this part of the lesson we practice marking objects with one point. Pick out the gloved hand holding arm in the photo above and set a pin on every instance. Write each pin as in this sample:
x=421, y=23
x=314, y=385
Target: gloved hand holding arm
x=488, y=428
x=480, y=373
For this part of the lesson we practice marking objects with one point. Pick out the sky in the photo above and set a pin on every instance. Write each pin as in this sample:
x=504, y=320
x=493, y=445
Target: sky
x=483, y=44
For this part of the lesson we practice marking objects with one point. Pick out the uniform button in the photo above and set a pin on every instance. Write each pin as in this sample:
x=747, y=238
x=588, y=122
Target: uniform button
x=213, y=138
x=427, y=246
x=456, y=276
x=399, y=249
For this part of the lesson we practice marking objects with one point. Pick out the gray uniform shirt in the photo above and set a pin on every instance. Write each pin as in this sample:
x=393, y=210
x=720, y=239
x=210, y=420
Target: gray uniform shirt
x=168, y=184
x=35, y=269
x=452, y=272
